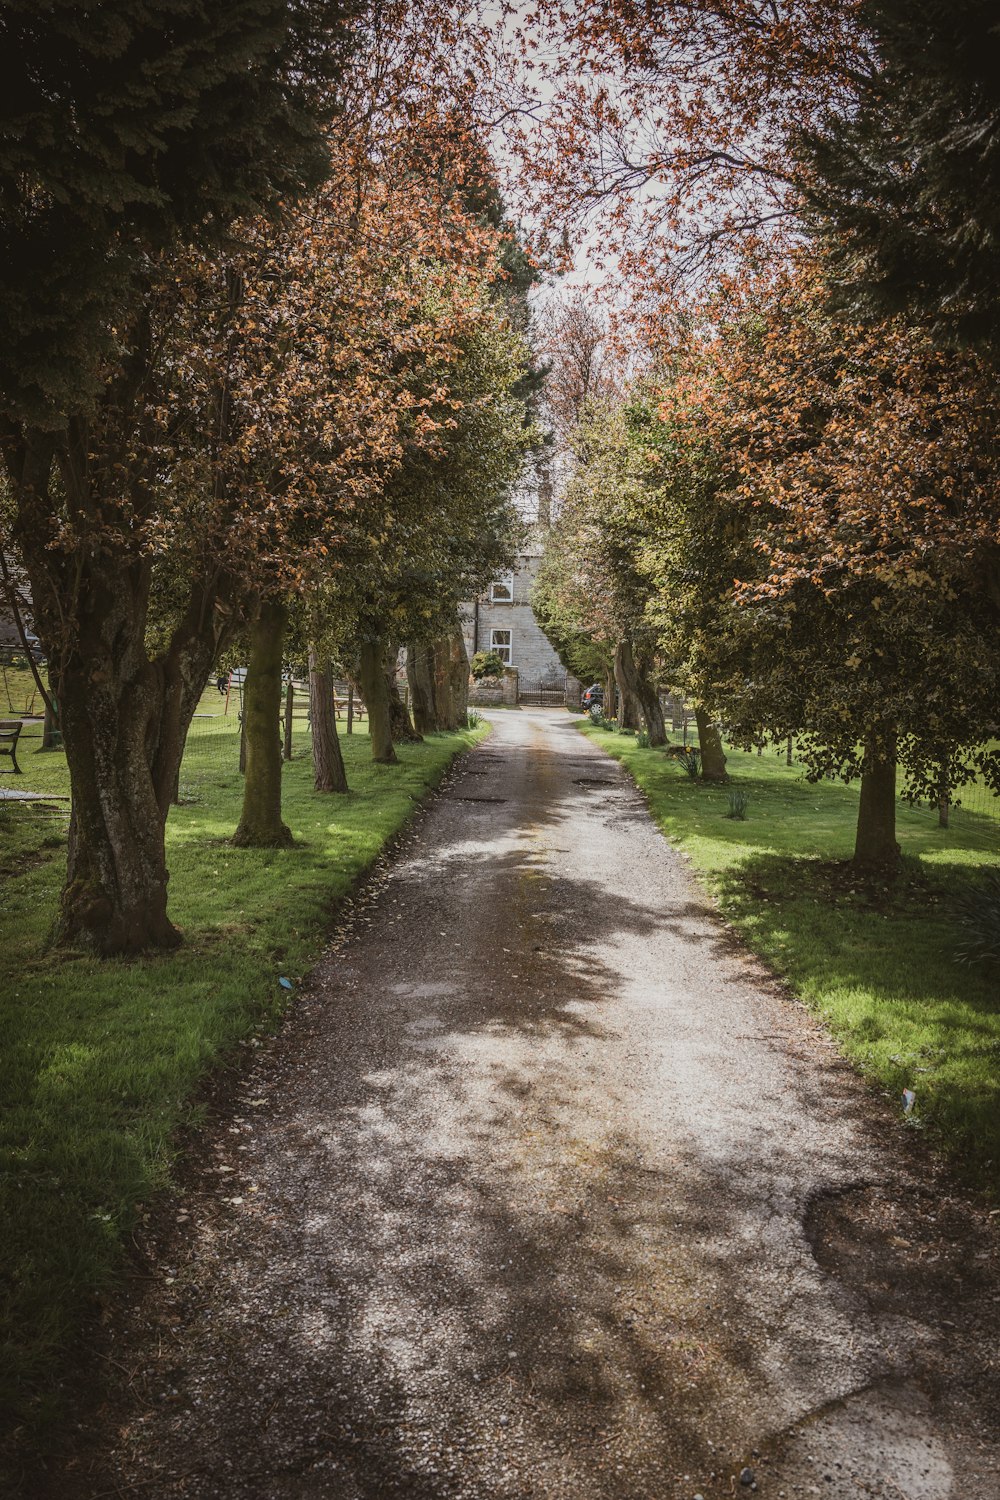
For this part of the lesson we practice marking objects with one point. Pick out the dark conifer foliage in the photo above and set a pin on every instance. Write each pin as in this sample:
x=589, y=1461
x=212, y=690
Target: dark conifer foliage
x=907, y=185
x=123, y=125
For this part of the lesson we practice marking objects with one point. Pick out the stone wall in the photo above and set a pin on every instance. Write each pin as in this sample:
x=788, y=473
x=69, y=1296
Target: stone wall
x=490, y=694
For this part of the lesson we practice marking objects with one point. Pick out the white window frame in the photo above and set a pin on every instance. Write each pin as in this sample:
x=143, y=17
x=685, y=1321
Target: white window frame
x=505, y=650
x=506, y=584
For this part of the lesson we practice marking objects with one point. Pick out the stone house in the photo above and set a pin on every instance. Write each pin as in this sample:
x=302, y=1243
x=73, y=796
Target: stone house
x=502, y=620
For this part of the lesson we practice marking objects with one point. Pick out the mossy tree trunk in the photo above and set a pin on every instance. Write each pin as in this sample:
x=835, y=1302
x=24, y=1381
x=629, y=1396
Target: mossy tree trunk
x=375, y=692
x=329, y=772
x=875, y=846
x=51, y=728
x=713, y=757
x=124, y=721
x=124, y=717
x=438, y=675
x=420, y=677
x=451, y=681
x=403, y=731
x=629, y=711
x=260, y=825
x=649, y=701
x=115, y=896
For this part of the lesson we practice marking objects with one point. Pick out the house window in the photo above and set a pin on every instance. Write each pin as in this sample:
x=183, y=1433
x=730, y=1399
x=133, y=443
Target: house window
x=500, y=643
x=502, y=590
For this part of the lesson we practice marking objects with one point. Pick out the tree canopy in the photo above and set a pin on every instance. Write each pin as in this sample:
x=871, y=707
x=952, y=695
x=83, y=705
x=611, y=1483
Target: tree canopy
x=904, y=184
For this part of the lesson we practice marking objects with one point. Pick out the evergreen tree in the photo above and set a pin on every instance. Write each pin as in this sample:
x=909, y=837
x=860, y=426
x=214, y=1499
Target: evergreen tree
x=906, y=185
x=130, y=131
x=123, y=127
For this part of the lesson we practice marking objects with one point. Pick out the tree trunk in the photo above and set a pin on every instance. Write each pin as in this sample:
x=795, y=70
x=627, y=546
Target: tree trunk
x=375, y=692
x=420, y=676
x=875, y=845
x=403, y=731
x=649, y=702
x=124, y=721
x=51, y=728
x=289, y=724
x=713, y=757
x=329, y=772
x=629, y=712
x=260, y=825
x=451, y=681
x=438, y=674
x=944, y=796
x=609, y=707
x=115, y=896
x=124, y=715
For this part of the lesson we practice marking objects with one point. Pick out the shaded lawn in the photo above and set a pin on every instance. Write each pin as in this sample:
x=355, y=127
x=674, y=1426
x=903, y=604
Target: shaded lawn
x=100, y=1061
x=875, y=960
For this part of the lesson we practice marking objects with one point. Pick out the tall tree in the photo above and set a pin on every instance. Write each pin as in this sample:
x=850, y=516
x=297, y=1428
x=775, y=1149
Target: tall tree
x=448, y=522
x=128, y=131
x=329, y=771
x=590, y=584
x=905, y=182
x=863, y=465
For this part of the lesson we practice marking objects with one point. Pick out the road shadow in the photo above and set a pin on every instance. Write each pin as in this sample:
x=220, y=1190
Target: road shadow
x=498, y=1217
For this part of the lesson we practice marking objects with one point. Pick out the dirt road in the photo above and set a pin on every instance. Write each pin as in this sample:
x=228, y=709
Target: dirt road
x=547, y=1190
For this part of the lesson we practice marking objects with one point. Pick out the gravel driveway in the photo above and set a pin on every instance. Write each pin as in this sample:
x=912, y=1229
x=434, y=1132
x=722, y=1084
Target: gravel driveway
x=548, y=1190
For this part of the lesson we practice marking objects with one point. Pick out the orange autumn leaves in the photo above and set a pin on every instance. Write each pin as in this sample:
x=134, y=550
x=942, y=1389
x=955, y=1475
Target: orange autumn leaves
x=869, y=450
x=300, y=371
x=662, y=136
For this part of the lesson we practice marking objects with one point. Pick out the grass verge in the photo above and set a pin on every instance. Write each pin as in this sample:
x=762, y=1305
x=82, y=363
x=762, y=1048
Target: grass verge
x=101, y=1061
x=876, y=961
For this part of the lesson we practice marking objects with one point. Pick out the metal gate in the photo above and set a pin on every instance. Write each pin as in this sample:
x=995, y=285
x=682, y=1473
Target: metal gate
x=543, y=694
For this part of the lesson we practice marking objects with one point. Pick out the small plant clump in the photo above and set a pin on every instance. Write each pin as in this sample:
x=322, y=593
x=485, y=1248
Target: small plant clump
x=977, y=909
x=642, y=739
x=486, y=664
x=473, y=719
x=688, y=758
x=739, y=802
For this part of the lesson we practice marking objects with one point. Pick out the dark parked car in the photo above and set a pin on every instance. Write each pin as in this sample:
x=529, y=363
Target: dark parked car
x=594, y=696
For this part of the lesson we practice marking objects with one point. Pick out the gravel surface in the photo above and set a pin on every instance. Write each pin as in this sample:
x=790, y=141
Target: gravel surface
x=547, y=1189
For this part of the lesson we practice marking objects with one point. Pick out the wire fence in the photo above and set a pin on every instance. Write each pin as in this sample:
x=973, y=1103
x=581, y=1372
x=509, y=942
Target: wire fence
x=211, y=762
x=214, y=746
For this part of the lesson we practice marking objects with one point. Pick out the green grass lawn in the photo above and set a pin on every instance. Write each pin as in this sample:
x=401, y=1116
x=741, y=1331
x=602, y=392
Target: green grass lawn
x=101, y=1061
x=18, y=693
x=876, y=962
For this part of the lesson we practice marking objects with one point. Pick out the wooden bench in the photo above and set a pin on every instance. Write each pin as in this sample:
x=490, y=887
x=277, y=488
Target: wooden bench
x=10, y=733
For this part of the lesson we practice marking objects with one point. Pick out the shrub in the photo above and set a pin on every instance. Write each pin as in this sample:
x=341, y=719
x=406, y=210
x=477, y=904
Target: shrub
x=487, y=664
x=642, y=739
x=739, y=801
x=977, y=909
